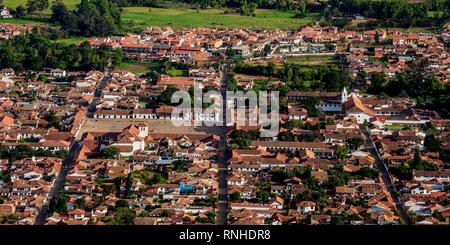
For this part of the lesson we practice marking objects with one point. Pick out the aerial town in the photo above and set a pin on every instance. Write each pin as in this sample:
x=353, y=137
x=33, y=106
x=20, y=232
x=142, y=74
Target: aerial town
x=364, y=128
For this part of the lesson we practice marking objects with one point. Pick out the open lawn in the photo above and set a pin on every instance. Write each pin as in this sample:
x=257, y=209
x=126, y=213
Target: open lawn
x=395, y=127
x=139, y=66
x=310, y=60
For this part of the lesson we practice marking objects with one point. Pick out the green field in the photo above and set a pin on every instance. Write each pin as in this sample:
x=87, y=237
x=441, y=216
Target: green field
x=310, y=60
x=74, y=40
x=260, y=85
x=181, y=18
x=28, y=20
x=134, y=19
x=139, y=66
x=395, y=127
x=12, y=4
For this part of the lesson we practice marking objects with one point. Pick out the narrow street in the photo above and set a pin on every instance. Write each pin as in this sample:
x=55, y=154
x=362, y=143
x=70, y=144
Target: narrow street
x=58, y=184
x=385, y=175
x=222, y=160
x=74, y=148
x=98, y=90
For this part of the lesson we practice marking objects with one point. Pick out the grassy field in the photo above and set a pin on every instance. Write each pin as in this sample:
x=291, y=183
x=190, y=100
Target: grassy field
x=259, y=85
x=395, y=127
x=28, y=20
x=12, y=4
x=181, y=18
x=74, y=40
x=310, y=60
x=139, y=66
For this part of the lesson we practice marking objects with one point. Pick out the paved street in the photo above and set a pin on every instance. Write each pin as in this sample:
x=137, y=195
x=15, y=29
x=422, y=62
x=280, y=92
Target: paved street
x=223, y=199
x=75, y=147
x=58, y=184
x=385, y=175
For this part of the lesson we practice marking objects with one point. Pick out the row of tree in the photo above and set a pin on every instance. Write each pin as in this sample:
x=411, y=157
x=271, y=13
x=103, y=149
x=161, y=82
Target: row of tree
x=245, y=7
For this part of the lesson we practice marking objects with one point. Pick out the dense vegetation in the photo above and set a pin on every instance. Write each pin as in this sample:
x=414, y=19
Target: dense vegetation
x=395, y=13
x=298, y=78
x=404, y=171
x=286, y=5
x=316, y=191
x=430, y=92
x=32, y=51
x=92, y=17
x=304, y=78
x=24, y=151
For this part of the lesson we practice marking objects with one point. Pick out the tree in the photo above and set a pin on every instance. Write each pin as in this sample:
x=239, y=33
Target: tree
x=180, y=165
x=110, y=152
x=278, y=175
x=59, y=11
x=62, y=154
x=121, y=204
x=398, y=84
x=336, y=220
x=235, y=197
x=166, y=213
x=263, y=195
x=166, y=96
x=20, y=11
x=342, y=152
x=124, y=216
x=377, y=37
x=377, y=81
x=92, y=17
x=26, y=52
x=58, y=204
x=230, y=52
x=433, y=86
x=80, y=203
x=117, y=56
x=301, y=11
x=53, y=120
x=286, y=136
x=354, y=143
x=368, y=172
x=5, y=177
x=36, y=5
x=157, y=179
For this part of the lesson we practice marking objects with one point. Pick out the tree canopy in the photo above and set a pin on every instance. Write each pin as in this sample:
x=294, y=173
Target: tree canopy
x=32, y=51
x=92, y=17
